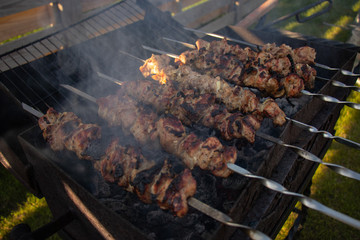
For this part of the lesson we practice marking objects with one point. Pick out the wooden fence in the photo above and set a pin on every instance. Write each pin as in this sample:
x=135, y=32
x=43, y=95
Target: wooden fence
x=26, y=16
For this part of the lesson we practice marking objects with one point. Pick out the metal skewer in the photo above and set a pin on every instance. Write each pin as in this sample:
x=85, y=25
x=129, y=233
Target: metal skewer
x=308, y=202
x=323, y=97
x=195, y=203
x=333, y=82
x=344, y=72
x=330, y=99
x=325, y=134
x=341, y=170
x=222, y=217
x=303, y=153
x=310, y=128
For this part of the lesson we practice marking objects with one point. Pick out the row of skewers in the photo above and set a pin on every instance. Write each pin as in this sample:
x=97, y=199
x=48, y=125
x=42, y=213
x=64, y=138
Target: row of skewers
x=188, y=97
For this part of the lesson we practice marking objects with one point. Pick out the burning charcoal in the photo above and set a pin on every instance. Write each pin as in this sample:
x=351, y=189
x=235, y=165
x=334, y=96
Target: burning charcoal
x=206, y=189
x=188, y=220
x=158, y=218
x=200, y=228
x=114, y=204
x=227, y=205
x=102, y=189
x=235, y=182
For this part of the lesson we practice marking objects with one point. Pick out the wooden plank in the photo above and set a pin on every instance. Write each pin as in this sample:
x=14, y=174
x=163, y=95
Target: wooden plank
x=14, y=165
x=11, y=7
x=219, y=23
x=88, y=5
x=257, y=13
x=203, y=13
x=245, y=34
x=26, y=21
x=245, y=7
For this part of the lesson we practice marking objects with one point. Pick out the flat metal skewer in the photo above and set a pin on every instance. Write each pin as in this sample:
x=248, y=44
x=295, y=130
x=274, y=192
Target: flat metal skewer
x=344, y=72
x=310, y=128
x=333, y=82
x=325, y=134
x=195, y=203
x=307, y=201
x=330, y=99
x=341, y=170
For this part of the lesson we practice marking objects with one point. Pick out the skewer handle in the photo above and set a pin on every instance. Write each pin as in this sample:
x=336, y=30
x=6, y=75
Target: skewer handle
x=344, y=72
x=309, y=202
x=330, y=99
x=341, y=170
x=225, y=219
x=325, y=134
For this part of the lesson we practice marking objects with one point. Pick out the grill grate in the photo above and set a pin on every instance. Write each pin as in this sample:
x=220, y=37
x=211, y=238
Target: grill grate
x=108, y=20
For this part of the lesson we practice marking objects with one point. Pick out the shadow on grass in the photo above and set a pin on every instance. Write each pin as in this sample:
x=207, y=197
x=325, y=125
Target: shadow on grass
x=19, y=206
x=12, y=192
x=35, y=219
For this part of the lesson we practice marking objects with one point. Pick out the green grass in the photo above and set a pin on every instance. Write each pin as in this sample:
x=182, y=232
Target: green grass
x=342, y=13
x=19, y=206
x=329, y=188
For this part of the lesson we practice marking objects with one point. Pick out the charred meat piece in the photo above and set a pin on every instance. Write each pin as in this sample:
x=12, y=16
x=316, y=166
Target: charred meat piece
x=165, y=183
x=208, y=154
x=146, y=127
x=66, y=131
x=190, y=107
x=168, y=183
x=234, y=98
x=264, y=70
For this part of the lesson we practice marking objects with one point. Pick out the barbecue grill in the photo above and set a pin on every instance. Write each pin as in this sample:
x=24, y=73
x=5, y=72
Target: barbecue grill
x=33, y=73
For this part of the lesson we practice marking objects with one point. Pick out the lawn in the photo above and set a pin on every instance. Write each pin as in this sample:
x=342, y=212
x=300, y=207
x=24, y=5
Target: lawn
x=328, y=187
x=19, y=206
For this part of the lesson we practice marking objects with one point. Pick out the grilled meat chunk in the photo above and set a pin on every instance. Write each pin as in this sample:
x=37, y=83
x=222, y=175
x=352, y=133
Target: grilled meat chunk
x=264, y=70
x=66, y=131
x=146, y=127
x=234, y=98
x=209, y=154
x=190, y=107
x=168, y=183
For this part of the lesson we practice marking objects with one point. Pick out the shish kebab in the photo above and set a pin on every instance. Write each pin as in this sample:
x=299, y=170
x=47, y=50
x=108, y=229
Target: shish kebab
x=173, y=188
x=168, y=184
x=234, y=98
x=202, y=109
x=147, y=127
x=258, y=47
x=192, y=108
x=123, y=165
x=293, y=81
x=275, y=71
x=223, y=171
x=307, y=127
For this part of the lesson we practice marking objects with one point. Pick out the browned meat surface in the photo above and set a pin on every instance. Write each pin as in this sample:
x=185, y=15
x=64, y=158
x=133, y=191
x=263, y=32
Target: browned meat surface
x=307, y=73
x=123, y=111
x=263, y=70
x=304, y=55
x=191, y=107
x=150, y=181
x=208, y=154
x=293, y=85
x=169, y=131
x=66, y=131
x=169, y=184
x=234, y=98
